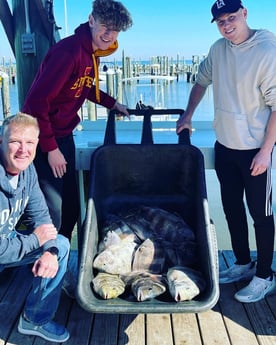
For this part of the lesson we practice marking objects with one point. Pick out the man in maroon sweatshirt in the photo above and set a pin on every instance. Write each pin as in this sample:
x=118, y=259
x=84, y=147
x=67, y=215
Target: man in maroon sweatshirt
x=66, y=78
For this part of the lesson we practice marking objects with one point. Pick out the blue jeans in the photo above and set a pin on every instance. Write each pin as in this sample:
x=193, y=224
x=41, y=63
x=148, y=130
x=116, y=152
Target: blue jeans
x=43, y=299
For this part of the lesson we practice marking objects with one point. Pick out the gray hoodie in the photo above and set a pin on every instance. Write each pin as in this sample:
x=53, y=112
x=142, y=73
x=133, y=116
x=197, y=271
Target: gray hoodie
x=244, y=87
x=28, y=200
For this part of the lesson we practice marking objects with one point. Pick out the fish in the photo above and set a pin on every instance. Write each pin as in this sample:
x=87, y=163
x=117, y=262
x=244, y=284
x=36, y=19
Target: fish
x=140, y=226
x=147, y=286
x=180, y=254
x=145, y=244
x=117, y=225
x=167, y=225
x=184, y=283
x=110, y=238
x=108, y=286
x=116, y=259
x=149, y=257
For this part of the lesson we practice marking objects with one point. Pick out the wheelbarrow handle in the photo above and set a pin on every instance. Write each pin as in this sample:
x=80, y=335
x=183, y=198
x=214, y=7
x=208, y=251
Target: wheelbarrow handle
x=184, y=137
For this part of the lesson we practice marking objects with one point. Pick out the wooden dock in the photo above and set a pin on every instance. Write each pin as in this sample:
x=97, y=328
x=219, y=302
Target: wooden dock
x=228, y=323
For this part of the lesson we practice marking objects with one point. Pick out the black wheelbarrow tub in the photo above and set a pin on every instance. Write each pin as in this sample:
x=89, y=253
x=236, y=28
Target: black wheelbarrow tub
x=169, y=176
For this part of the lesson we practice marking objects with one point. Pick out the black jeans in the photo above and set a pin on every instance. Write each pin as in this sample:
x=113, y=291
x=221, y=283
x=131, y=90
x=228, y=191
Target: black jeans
x=234, y=174
x=61, y=194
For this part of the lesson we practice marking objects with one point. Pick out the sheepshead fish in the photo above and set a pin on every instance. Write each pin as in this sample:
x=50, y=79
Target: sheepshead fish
x=116, y=259
x=184, y=283
x=108, y=285
x=138, y=225
x=167, y=225
x=120, y=227
x=180, y=254
x=147, y=286
x=149, y=257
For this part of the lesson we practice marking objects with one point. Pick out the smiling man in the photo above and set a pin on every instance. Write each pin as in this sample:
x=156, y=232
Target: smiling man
x=67, y=77
x=241, y=66
x=41, y=246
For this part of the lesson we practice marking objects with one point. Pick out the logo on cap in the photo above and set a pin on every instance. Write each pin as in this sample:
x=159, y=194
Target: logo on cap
x=220, y=4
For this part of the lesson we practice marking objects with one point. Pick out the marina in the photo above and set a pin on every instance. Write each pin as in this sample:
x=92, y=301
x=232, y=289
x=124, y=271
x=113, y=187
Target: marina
x=162, y=83
x=162, y=93
x=228, y=322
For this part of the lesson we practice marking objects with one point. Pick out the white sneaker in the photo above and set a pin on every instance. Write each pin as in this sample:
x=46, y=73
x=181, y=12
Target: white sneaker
x=237, y=273
x=256, y=290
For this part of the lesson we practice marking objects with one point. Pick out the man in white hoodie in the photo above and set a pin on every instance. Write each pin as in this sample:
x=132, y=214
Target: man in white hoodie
x=241, y=66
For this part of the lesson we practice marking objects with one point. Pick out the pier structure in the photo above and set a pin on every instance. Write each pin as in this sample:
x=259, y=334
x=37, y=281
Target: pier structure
x=131, y=73
x=116, y=76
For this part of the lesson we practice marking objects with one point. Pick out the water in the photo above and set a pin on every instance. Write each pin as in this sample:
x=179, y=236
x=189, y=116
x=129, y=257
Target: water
x=168, y=94
x=161, y=94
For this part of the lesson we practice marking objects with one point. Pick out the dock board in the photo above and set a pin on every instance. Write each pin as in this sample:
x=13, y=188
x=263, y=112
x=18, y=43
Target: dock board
x=228, y=323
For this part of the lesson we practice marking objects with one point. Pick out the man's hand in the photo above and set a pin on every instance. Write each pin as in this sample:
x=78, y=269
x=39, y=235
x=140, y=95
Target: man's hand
x=45, y=233
x=182, y=123
x=260, y=163
x=57, y=163
x=46, y=266
x=121, y=109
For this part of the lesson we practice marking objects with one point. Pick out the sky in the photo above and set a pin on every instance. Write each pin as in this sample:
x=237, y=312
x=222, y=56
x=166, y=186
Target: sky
x=161, y=28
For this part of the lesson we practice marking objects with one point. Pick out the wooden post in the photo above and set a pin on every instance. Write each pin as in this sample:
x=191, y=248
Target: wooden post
x=119, y=85
x=91, y=111
x=29, y=20
x=110, y=83
x=4, y=86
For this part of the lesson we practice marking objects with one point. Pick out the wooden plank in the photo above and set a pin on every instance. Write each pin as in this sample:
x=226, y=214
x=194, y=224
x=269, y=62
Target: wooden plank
x=158, y=329
x=259, y=313
x=132, y=330
x=79, y=325
x=263, y=322
x=212, y=328
x=105, y=329
x=185, y=329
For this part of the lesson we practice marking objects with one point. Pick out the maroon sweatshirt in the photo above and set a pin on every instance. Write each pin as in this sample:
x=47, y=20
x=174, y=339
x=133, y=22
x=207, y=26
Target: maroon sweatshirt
x=64, y=80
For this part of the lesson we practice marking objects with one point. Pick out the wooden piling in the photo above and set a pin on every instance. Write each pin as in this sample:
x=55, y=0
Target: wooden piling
x=4, y=86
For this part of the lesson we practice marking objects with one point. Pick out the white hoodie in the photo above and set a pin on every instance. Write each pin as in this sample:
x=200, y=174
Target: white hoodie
x=244, y=87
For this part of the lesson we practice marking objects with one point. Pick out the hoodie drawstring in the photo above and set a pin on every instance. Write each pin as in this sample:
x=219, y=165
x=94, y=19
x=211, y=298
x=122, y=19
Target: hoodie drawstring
x=98, y=98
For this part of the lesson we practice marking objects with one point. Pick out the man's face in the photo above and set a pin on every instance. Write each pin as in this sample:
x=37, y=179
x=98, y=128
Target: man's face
x=102, y=36
x=18, y=147
x=233, y=27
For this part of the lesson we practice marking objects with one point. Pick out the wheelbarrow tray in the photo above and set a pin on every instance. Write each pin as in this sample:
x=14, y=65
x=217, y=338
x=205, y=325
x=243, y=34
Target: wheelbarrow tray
x=169, y=176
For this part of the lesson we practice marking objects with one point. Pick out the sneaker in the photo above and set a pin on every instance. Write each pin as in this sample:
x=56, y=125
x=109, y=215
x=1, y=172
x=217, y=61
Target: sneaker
x=256, y=290
x=237, y=273
x=50, y=331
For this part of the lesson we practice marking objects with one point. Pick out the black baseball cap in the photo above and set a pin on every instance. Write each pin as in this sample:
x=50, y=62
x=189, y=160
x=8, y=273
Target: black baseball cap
x=225, y=6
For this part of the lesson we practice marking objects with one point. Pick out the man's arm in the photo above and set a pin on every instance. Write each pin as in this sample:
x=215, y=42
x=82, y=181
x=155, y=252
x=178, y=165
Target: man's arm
x=195, y=97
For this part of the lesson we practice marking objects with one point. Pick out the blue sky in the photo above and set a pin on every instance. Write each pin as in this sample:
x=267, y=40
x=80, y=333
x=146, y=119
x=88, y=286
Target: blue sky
x=160, y=27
